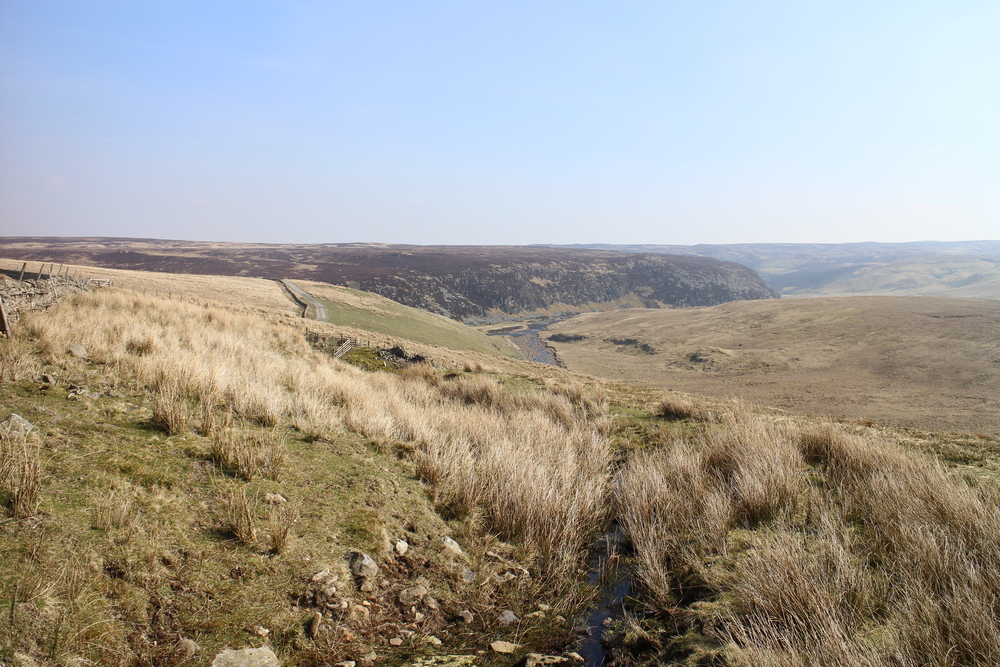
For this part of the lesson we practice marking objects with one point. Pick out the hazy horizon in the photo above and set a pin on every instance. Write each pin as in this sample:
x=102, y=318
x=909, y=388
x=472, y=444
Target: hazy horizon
x=500, y=124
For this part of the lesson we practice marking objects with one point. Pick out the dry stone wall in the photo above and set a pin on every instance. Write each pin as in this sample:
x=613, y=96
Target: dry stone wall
x=20, y=297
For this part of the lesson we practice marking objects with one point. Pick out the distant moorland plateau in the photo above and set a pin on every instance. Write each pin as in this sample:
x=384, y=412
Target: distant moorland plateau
x=474, y=284
x=969, y=269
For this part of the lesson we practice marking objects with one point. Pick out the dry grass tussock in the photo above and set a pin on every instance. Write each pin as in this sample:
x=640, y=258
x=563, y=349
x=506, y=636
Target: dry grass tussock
x=820, y=547
x=533, y=464
x=20, y=476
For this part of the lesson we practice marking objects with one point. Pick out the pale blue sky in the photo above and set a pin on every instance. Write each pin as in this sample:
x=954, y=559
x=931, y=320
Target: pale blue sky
x=501, y=122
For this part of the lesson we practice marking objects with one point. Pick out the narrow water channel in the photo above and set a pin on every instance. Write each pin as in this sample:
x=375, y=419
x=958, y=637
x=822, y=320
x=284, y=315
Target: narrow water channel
x=530, y=344
x=614, y=578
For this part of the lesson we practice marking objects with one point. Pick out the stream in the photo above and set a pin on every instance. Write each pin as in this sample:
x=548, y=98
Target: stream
x=607, y=571
x=530, y=344
x=615, y=581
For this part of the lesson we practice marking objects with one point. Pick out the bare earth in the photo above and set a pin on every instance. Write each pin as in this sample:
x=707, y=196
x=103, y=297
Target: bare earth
x=921, y=362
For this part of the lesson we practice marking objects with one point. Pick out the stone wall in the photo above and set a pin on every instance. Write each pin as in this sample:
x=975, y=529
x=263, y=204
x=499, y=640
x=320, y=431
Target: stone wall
x=20, y=297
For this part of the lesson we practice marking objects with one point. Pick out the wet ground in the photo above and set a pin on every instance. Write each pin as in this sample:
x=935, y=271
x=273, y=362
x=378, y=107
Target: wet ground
x=528, y=341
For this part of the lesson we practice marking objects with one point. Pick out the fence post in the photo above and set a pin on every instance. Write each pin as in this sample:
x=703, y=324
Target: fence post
x=23, y=267
x=40, y=268
x=4, y=327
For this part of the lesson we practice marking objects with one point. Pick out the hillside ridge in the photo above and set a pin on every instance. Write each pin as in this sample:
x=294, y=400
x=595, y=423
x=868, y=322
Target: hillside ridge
x=473, y=284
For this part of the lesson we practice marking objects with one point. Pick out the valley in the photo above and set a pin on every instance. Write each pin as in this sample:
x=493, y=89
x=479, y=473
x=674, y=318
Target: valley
x=197, y=475
x=929, y=363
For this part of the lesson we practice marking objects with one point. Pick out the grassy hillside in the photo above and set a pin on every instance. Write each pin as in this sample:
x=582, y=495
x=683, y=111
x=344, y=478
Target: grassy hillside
x=200, y=473
x=371, y=312
x=138, y=508
x=925, y=362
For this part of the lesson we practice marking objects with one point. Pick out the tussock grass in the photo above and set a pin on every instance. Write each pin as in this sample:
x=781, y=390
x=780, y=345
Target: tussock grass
x=239, y=515
x=20, y=476
x=248, y=453
x=533, y=464
x=677, y=407
x=817, y=546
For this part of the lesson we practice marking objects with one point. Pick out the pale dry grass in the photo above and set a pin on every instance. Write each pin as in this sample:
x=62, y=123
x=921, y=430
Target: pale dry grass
x=828, y=548
x=533, y=464
x=20, y=476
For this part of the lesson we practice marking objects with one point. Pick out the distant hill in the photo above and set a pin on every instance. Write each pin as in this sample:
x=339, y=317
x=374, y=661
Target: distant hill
x=969, y=269
x=474, y=284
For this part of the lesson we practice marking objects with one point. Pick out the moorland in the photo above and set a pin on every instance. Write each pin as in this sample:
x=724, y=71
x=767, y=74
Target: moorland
x=931, y=363
x=473, y=284
x=968, y=269
x=197, y=475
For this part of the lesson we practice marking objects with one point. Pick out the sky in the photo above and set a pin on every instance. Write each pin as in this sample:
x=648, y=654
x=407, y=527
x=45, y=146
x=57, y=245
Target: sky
x=479, y=122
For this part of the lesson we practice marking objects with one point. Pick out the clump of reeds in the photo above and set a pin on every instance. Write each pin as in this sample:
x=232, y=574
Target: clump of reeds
x=171, y=411
x=862, y=553
x=248, y=453
x=239, y=516
x=20, y=475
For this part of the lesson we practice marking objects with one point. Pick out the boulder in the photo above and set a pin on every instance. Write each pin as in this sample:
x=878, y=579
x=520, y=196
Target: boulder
x=452, y=546
x=362, y=565
x=15, y=426
x=78, y=351
x=248, y=657
x=401, y=546
x=508, y=617
x=186, y=649
x=538, y=660
x=503, y=647
x=412, y=595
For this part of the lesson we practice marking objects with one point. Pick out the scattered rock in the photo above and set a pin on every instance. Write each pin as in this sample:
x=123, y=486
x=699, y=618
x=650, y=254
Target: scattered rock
x=248, y=657
x=15, y=426
x=442, y=661
x=78, y=351
x=24, y=660
x=401, y=547
x=418, y=617
x=503, y=647
x=114, y=393
x=412, y=595
x=431, y=603
x=537, y=660
x=187, y=649
x=535, y=614
x=466, y=616
x=468, y=576
x=396, y=641
x=261, y=631
x=315, y=625
x=275, y=499
x=48, y=379
x=452, y=546
x=362, y=565
x=346, y=663
x=574, y=656
x=508, y=617
x=432, y=640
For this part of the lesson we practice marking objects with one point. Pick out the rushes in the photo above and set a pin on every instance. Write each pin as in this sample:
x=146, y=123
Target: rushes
x=239, y=513
x=247, y=453
x=826, y=547
x=20, y=476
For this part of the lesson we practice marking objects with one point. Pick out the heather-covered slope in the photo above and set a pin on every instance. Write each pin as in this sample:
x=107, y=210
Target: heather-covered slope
x=471, y=283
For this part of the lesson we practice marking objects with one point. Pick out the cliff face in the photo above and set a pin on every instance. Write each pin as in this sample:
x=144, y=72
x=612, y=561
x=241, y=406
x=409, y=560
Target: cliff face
x=469, y=283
